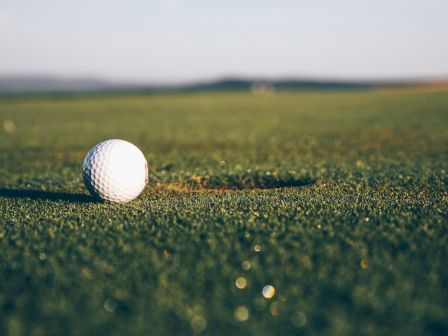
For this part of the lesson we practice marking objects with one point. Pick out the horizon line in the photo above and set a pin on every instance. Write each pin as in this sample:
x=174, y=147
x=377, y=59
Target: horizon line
x=227, y=77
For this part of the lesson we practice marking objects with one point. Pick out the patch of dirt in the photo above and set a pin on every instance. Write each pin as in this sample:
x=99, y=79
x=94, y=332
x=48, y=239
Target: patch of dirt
x=203, y=184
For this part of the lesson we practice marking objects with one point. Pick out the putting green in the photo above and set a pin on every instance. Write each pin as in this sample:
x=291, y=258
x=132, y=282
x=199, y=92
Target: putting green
x=316, y=213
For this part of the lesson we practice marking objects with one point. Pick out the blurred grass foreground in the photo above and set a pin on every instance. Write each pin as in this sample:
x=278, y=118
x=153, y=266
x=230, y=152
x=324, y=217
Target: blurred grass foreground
x=312, y=213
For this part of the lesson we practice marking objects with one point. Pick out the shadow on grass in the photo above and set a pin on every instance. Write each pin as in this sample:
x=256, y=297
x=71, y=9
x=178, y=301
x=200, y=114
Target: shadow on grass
x=46, y=195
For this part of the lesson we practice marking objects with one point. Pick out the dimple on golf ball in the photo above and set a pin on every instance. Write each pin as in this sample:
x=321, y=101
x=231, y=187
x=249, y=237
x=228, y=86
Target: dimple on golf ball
x=115, y=171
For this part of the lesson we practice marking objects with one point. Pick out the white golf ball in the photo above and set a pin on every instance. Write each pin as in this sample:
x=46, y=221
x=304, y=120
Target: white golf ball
x=115, y=171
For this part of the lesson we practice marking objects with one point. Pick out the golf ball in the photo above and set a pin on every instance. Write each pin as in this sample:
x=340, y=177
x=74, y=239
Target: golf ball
x=115, y=171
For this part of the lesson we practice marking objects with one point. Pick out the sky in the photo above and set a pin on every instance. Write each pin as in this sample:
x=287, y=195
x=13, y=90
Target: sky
x=174, y=41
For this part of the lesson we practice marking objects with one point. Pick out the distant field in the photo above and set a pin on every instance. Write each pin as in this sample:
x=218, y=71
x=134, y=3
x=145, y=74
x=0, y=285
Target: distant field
x=338, y=200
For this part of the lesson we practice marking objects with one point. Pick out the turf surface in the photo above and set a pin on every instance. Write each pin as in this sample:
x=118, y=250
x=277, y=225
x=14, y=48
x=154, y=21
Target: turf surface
x=338, y=200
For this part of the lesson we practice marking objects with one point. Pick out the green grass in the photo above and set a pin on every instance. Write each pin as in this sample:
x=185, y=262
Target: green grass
x=337, y=199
